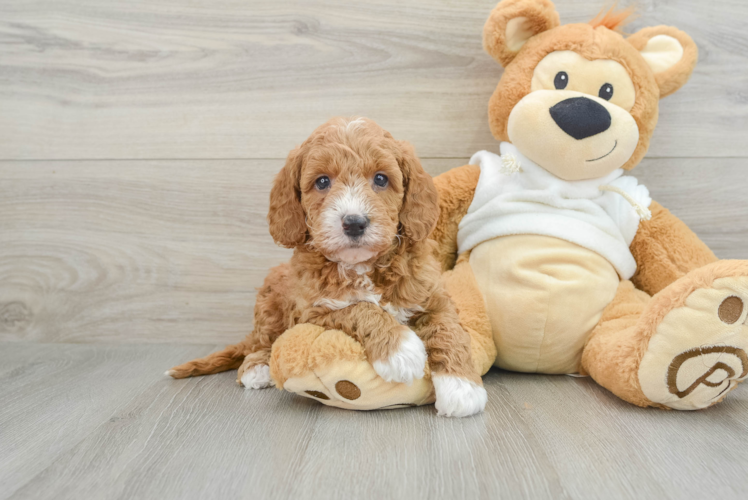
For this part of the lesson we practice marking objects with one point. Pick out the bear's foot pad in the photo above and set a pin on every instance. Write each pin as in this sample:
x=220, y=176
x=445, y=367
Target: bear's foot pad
x=698, y=351
x=354, y=385
x=331, y=368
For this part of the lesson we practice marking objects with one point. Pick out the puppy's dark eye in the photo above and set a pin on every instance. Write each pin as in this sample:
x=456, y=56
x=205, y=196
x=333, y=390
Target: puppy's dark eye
x=322, y=183
x=561, y=80
x=606, y=92
x=381, y=180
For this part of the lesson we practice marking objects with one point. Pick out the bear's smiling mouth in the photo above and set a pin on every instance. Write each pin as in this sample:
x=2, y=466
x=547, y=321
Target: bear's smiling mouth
x=606, y=154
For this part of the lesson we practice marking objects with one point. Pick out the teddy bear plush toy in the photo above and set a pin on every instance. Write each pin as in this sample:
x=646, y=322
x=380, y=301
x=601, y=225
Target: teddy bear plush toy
x=558, y=261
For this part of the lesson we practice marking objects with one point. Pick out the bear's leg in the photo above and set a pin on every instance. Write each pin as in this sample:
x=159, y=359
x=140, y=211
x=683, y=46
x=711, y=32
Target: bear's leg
x=612, y=353
x=684, y=348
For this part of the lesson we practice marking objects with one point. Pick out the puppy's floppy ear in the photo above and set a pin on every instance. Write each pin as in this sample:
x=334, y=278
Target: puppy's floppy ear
x=420, y=209
x=670, y=53
x=513, y=22
x=286, y=215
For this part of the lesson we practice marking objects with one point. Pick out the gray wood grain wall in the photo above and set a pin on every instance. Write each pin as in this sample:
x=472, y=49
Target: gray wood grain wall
x=138, y=141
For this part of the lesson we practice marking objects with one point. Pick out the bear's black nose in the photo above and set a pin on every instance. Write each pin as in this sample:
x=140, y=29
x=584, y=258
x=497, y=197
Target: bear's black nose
x=581, y=117
x=355, y=225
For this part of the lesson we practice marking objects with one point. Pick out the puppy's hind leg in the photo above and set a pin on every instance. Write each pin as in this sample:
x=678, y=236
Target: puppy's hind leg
x=251, y=358
x=271, y=311
x=269, y=323
x=254, y=373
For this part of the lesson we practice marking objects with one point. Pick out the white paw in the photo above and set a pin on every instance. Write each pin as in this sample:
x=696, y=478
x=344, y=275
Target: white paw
x=407, y=363
x=458, y=397
x=257, y=377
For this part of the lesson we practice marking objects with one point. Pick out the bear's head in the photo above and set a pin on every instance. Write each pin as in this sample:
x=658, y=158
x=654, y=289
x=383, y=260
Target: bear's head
x=580, y=100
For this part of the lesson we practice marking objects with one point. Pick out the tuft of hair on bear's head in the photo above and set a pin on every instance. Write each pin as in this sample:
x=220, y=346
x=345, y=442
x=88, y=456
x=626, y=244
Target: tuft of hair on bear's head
x=614, y=19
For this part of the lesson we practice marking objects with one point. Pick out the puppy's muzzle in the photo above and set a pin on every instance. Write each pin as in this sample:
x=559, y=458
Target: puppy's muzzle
x=355, y=225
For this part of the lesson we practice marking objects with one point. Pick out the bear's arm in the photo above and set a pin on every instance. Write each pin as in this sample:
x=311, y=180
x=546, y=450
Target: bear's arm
x=456, y=189
x=665, y=249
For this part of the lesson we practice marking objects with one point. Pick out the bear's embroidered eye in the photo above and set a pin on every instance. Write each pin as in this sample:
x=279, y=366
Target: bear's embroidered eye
x=381, y=180
x=606, y=92
x=322, y=183
x=561, y=80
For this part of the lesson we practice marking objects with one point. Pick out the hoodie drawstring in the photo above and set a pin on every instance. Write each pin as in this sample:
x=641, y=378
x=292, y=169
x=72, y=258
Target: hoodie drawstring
x=643, y=212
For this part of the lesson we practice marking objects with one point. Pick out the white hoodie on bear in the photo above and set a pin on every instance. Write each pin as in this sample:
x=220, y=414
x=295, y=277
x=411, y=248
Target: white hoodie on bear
x=516, y=196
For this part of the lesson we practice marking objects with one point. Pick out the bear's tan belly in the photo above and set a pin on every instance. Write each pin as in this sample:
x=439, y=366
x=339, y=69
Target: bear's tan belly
x=544, y=296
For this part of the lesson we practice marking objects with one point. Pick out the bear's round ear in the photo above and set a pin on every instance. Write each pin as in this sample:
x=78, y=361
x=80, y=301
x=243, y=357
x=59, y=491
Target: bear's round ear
x=670, y=53
x=513, y=22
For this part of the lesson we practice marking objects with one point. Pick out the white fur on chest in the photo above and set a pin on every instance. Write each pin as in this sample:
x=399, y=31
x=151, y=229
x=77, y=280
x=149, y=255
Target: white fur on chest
x=366, y=292
x=401, y=314
x=336, y=304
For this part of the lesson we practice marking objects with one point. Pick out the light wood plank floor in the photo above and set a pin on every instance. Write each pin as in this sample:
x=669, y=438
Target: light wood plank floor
x=97, y=421
x=137, y=145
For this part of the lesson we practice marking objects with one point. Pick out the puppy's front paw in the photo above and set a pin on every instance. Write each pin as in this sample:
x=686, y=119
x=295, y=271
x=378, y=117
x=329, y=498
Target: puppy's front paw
x=458, y=397
x=257, y=377
x=405, y=364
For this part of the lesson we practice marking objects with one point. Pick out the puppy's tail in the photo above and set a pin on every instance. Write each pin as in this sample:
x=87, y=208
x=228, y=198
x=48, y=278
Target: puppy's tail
x=230, y=358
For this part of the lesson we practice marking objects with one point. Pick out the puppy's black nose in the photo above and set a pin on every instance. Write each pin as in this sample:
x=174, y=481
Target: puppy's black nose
x=355, y=225
x=581, y=117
